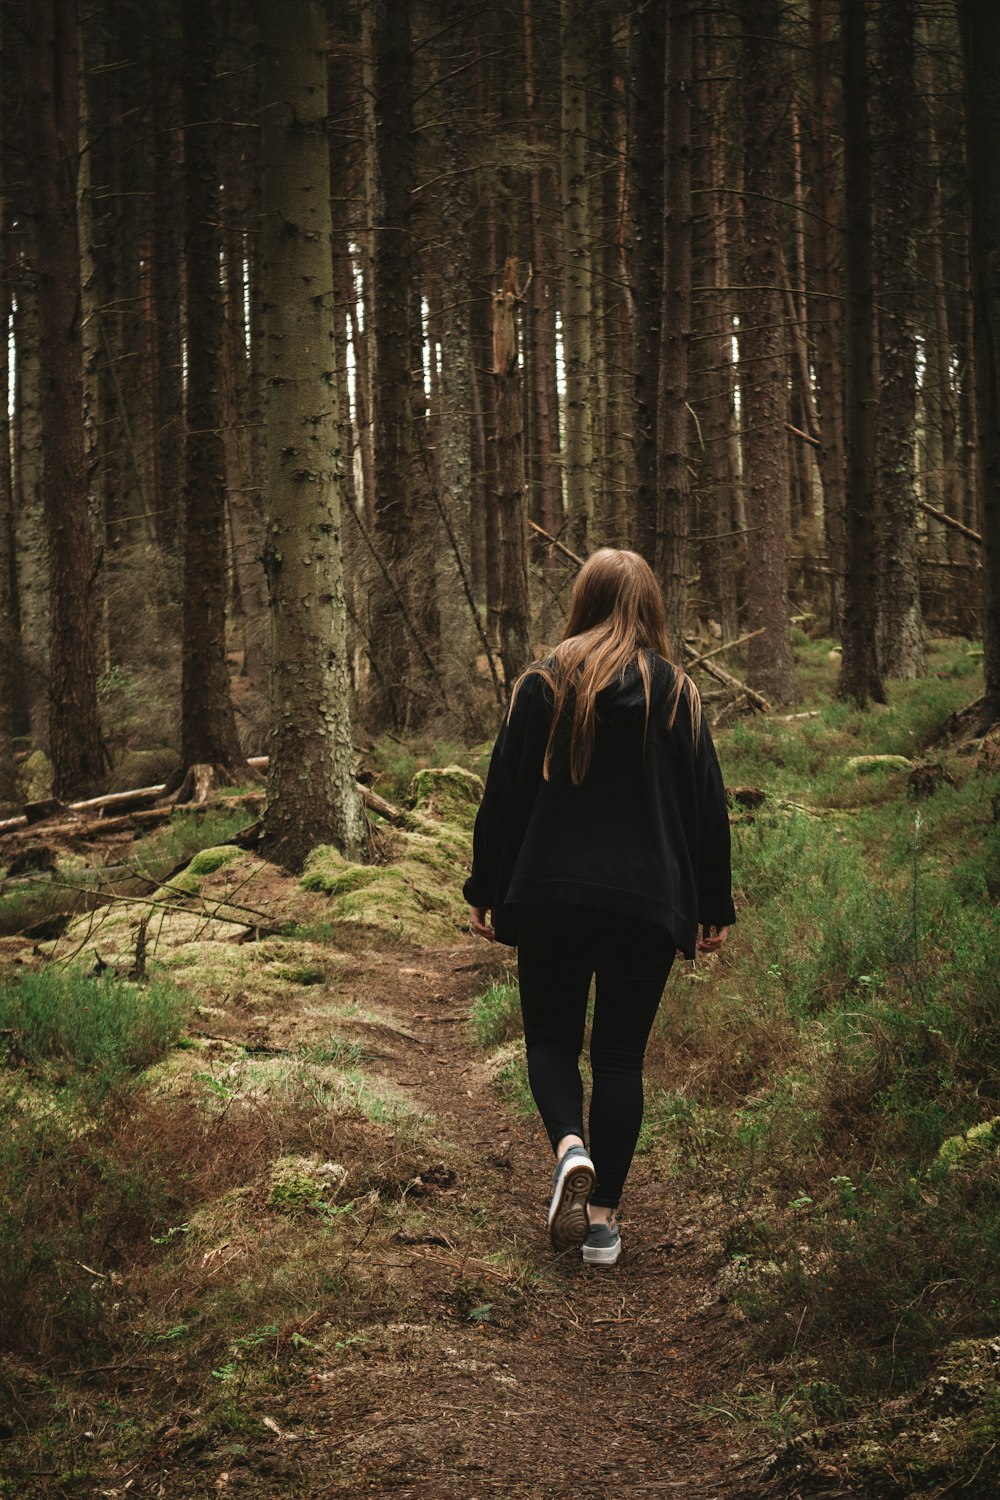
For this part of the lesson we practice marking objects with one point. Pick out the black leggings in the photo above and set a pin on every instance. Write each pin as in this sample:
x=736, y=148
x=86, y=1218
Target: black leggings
x=559, y=950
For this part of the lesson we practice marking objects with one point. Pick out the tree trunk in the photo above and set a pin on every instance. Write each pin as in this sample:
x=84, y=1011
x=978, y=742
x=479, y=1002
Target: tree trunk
x=647, y=64
x=770, y=667
x=312, y=797
x=896, y=181
x=980, y=28
x=208, y=725
x=860, y=678
x=78, y=758
x=673, y=521
x=577, y=287
x=459, y=640
x=515, y=641
x=543, y=385
x=826, y=310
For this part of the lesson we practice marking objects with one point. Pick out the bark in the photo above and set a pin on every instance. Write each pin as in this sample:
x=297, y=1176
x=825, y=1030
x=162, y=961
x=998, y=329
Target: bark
x=647, y=63
x=208, y=725
x=167, y=261
x=860, y=678
x=980, y=30
x=243, y=481
x=896, y=184
x=825, y=305
x=544, y=394
x=762, y=355
x=577, y=276
x=515, y=641
x=312, y=796
x=30, y=540
x=78, y=758
x=712, y=375
x=459, y=642
x=673, y=521
x=396, y=699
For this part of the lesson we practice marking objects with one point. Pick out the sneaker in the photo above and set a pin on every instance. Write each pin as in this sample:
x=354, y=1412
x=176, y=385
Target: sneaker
x=572, y=1185
x=602, y=1246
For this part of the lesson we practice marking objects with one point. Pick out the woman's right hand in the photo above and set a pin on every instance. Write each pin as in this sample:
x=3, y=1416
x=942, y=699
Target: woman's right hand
x=479, y=922
x=709, y=944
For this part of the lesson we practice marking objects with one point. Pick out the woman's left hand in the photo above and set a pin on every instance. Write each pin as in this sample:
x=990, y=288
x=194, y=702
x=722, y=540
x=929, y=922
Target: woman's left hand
x=709, y=944
x=479, y=922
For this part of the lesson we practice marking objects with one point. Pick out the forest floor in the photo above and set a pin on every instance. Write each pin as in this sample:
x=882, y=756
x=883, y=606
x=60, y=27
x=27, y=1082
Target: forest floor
x=489, y=1366
x=296, y=1245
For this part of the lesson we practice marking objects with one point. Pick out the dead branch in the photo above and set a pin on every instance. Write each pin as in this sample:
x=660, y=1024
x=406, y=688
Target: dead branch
x=726, y=646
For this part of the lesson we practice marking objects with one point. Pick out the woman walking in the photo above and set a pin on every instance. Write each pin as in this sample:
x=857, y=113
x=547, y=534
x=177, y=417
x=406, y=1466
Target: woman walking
x=600, y=848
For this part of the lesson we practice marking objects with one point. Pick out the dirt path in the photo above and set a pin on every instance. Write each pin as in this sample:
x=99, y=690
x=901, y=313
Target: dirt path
x=492, y=1367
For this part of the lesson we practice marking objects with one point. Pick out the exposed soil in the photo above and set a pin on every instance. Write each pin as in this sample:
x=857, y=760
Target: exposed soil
x=485, y=1364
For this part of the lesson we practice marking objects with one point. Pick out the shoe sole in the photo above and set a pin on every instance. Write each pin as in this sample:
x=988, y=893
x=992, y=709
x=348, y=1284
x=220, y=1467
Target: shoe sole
x=594, y=1255
x=568, y=1222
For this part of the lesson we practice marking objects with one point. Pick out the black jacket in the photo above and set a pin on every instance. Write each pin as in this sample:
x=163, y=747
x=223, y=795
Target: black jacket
x=646, y=832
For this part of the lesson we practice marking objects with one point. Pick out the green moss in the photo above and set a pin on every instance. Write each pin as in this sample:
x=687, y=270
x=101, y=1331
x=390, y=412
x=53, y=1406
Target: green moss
x=416, y=897
x=207, y=861
x=450, y=794
x=36, y=777
x=968, y=1150
x=184, y=884
x=873, y=765
x=304, y=1184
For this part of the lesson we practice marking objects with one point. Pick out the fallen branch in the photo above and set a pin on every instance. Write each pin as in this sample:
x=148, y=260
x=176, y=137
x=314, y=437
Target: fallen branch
x=759, y=702
x=726, y=646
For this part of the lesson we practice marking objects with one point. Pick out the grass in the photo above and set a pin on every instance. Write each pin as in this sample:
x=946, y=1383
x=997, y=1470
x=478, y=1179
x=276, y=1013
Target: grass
x=816, y=1068
x=496, y=1014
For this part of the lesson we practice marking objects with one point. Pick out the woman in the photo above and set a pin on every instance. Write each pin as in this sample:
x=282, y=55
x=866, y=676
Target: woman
x=600, y=847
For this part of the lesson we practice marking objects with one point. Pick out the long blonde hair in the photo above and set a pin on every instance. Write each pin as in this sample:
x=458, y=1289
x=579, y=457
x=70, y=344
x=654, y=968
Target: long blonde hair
x=616, y=617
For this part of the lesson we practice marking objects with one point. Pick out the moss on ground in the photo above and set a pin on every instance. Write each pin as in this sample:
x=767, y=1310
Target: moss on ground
x=450, y=794
x=416, y=897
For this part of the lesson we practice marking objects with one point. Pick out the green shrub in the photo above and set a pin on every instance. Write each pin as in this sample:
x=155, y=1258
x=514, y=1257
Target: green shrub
x=496, y=1014
x=62, y=1020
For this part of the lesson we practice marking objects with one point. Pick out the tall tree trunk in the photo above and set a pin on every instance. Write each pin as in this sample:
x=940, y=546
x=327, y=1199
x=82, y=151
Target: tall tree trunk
x=30, y=541
x=647, y=65
x=459, y=641
x=577, y=272
x=826, y=309
x=542, y=326
x=398, y=699
x=762, y=355
x=78, y=758
x=896, y=180
x=674, y=495
x=712, y=375
x=860, y=678
x=312, y=794
x=980, y=28
x=515, y=642
x=208, y=724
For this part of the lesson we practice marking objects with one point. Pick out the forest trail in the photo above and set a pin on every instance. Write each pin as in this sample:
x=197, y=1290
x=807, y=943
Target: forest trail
x=503, y=1370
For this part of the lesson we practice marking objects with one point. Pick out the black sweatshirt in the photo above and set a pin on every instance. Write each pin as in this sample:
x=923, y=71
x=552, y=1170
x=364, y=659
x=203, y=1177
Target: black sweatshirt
x=646, y=832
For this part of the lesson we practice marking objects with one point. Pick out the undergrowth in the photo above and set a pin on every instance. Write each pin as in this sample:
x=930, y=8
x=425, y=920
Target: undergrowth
x=818, y=1068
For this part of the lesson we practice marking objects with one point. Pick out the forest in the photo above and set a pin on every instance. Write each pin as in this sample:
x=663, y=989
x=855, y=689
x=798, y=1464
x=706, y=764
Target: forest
x=338, y=336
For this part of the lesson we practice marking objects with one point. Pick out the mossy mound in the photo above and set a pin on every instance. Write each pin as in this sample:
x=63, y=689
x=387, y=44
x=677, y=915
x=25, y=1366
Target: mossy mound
x=449, y=793
x=36, y=777
x=304, y=1184
x=971, y=1149
x=874, y=765
x=417, y=897
x=209, y=860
